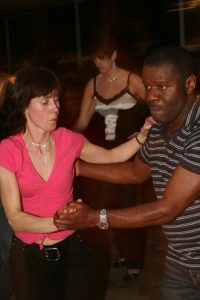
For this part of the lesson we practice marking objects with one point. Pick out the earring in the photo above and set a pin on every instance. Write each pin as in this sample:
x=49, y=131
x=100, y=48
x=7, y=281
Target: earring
x=114, y=65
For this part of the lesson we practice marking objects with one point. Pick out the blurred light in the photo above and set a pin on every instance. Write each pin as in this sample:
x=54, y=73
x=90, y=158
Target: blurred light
x=185, y=5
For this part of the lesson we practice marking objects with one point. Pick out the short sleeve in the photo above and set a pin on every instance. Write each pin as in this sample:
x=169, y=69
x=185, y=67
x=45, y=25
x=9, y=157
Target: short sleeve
x=142, y=154
x=8, y=155
x=71, y=141
x=191, y=158
x=77, y=142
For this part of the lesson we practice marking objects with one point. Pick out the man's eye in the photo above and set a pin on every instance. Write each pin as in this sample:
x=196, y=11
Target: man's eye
x=147, y=87
x=162, y=87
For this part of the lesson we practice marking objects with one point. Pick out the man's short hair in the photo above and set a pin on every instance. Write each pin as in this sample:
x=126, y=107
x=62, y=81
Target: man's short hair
x=178, y=57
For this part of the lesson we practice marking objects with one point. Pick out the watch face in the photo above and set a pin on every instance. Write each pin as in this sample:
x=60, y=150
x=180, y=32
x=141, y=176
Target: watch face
x=103, y=225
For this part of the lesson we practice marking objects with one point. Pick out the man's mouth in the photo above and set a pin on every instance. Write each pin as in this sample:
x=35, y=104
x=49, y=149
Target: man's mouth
x=154, y=108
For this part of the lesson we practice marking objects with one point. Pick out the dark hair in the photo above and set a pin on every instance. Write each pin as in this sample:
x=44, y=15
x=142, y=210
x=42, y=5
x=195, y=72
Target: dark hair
x=30, y=82
x=178, y=57
x=104, y=48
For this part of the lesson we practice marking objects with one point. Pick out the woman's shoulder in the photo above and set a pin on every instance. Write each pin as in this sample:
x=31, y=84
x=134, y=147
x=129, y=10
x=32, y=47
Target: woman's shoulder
x=11, y=152
x=130, y=76
x=89, y=87
x=91, y=81
x=136, y=85
x=67, y=139
x=62, y=133
x=135, y=77
x=13, y=141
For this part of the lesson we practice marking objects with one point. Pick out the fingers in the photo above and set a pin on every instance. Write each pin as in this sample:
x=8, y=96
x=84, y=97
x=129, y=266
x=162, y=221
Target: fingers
x=65, y=221
x=147, y=125
x=63, y=217
x=150, y=120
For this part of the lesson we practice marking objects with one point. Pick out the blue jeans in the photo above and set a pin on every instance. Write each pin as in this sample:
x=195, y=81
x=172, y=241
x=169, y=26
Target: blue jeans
x=5, y=244
x=180, y=283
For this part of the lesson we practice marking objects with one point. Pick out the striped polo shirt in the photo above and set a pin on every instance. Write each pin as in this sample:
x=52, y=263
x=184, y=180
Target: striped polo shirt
x=163, y=155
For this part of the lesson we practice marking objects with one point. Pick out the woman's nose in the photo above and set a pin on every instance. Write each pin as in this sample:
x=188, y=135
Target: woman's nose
x=55, y=106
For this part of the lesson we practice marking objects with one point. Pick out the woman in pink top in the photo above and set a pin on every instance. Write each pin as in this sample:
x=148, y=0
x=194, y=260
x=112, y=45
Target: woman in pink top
x=36, y=177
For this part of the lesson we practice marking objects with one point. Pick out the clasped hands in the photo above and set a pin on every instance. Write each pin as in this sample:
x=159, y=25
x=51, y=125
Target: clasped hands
x=76, y=215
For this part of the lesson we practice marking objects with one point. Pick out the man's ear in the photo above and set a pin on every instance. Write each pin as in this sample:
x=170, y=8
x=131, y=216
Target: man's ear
x=190, y=84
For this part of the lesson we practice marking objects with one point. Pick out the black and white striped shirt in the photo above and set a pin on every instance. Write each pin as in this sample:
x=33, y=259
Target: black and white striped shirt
x=163, y=156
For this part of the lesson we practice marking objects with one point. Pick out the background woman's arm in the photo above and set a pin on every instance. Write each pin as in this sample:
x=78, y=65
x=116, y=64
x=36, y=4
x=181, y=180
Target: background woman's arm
x=87, y=108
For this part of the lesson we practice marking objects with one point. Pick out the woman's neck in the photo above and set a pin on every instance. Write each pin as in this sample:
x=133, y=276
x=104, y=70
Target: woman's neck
x=40, y=147
x=37, y=138
x=112, y=74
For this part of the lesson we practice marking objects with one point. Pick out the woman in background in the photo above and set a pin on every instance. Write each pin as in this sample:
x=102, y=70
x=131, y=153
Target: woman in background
x=112, y=109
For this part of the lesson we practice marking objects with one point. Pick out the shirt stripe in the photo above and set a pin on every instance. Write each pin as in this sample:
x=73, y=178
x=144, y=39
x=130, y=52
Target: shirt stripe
x=163, y=155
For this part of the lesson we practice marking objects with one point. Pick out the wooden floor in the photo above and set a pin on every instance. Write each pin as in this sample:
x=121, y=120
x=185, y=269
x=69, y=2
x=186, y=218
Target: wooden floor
x=147, y=286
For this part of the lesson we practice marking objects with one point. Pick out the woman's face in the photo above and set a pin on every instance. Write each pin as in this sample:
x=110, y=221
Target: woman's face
x=104, y=64
x=42, y=112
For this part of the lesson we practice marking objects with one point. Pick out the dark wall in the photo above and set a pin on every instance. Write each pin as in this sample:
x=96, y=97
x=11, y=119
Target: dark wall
x=47, y=35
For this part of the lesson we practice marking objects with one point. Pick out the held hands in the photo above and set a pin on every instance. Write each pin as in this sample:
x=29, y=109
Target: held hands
x=77, y=215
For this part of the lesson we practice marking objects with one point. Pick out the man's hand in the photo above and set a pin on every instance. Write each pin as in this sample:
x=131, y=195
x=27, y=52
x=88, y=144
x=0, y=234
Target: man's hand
x=77, y=215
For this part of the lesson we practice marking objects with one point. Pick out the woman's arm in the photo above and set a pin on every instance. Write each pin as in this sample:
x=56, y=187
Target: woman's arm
x=95, y=154
x=11, y=201
x=87, y=108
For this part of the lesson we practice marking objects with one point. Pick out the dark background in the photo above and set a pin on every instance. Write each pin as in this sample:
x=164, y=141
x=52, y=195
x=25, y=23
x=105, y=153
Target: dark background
x=60, y=33
x=44, y=32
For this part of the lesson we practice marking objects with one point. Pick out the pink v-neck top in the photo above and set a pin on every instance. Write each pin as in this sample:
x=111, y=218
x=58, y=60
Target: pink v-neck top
x=43, y=197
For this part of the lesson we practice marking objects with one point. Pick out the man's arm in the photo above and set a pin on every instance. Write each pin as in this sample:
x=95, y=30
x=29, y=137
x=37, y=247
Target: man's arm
x=133, y=172
x=182, y=189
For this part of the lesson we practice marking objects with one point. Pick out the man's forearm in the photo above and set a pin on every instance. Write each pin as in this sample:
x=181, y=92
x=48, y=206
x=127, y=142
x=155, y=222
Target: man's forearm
x=115, y=173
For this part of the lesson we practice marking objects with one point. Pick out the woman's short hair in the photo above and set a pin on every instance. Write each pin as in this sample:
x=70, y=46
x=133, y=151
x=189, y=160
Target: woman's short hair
x=104, y=48
x=31, y=82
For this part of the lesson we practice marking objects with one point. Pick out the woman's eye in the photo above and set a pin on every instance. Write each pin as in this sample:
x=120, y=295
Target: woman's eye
x=44, y=102
x=56, y=101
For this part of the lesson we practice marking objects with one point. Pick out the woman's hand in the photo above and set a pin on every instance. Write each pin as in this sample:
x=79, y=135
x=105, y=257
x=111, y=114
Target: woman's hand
x=77, y=215
x=142, y=135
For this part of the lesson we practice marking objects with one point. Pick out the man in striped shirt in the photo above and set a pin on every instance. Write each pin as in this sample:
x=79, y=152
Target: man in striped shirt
x=171, y=157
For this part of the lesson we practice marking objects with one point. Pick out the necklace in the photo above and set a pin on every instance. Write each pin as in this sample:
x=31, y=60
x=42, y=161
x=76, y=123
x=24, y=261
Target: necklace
x=40, y=145
x=114, y=74
x=44, y=150
x=112, y=78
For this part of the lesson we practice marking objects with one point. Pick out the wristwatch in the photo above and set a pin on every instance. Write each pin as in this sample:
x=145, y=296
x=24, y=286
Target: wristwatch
x=103, y=222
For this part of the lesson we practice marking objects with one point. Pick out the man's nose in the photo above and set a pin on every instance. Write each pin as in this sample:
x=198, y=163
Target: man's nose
x=152, y=94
